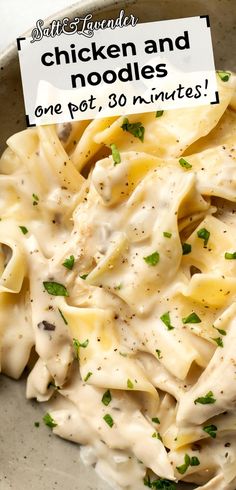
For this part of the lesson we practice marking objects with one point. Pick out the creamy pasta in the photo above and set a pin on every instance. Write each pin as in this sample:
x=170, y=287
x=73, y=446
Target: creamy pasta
x=118, y=289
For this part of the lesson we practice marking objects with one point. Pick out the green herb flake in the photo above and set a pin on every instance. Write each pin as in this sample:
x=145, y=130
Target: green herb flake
x=186, y=248
x=115, y=154
x=192, y=318
x=165, y=318
x=84, y=276
x=230, y=256
x=87, y=376
x=221, y=331
x=224, y=75
x=106, y=399
x=78, y=344
x=24, y=229
x=37, y=424
x=183, y=468
x=162, y=484
x=108, y=419
x=204, y=234
x=194, y=461
x=157, y=435
x=123, y=354
x=118, y=287
x=156, y=420
x=167, y=234
x=159, y=113
x=206, y=400
x=130, y=385
x=218, y=341
x=184, y=163
x=210, y=430
x=63, y=318
x=55, y=288
x=69, y=263
x=152, y=259
x=84, y=344
x=136, y=129
x=35, y=199
x=158, y=351
x=48, y=420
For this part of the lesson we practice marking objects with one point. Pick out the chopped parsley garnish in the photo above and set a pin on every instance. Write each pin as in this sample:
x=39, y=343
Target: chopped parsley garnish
x=158, y=351
x=161, y=484
x=224, y=75
x=78, y=344
x=84, y=276
x=37, y=424
x=165, y=318
x=204, y=234
x=106, y=399
x=69, y=263
x=230, y=256
x=192, y=318
x=115, y=154
x=136, y=129
x=184, y=163
x=156, y=420
x=206, y=400
x=88, y=376
x=211, y=430
x=35, y=199
x=55, y=288
x=152, y=259
x=84, y=344
x=218, y=341
x=63, y=318
x=118, y=287
x=81, y=344
x=183, y=468
x=194, y=461
x=157, y=435
x=187, y=248
x=24, y=229
x=221, y=331
x=49, y=421
x=108, y=419
x=130, y=385
x=167, y=234
x=159, y=113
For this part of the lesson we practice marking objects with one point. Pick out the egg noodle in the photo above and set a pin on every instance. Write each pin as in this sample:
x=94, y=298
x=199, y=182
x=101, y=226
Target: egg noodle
x=118, y=288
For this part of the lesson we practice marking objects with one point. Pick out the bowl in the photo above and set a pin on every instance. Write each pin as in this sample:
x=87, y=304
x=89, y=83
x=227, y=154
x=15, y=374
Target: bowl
x=31, y=457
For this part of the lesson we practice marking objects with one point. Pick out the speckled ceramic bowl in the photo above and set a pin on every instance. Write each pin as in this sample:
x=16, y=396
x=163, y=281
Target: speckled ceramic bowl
x=31, y=457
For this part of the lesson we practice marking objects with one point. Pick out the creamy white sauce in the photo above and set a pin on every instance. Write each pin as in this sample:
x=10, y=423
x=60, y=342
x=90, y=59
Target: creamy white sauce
x=126, y=294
